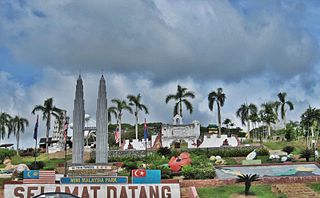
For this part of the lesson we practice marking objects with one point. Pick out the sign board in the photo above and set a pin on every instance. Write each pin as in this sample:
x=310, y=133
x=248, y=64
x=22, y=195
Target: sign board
x=94, y=180
x=94, y=191
x=108, y=167
x=142, y=176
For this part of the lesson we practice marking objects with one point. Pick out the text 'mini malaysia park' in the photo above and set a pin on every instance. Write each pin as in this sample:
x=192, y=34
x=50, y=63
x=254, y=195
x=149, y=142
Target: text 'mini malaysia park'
x=160, y=99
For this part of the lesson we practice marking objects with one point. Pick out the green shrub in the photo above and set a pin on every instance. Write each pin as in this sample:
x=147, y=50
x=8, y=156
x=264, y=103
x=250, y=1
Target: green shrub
x=164, y=151
x=36, y=166
x=288, y=149
x=6, y=153
x=129, y=165
x=190, y=172
x=306, y=154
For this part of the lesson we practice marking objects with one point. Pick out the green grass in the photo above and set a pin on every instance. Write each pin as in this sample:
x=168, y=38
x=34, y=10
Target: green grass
x=50, y=164
x=298, y=145
x=261, y=191
x=230, y=161
x=314, y=186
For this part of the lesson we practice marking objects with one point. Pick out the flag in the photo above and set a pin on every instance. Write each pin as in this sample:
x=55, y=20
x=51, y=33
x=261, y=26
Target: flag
x=42, y=177
x=116, y=135
x=65, y=131
x=31, y=174
x=145, y=131
x=141, y=176
x=35, y=133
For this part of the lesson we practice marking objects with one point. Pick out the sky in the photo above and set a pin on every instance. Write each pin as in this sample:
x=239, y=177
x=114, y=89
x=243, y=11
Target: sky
x=252, y=49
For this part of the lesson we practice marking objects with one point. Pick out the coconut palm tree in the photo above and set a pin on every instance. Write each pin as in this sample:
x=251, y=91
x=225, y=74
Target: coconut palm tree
x=181, y=98
x=112, y=111
x=247, y=179
x=121, y=105
x=4, y=124
x=48, y=110
x=135, y=101
x=244, y=113
x=282, y=103
x=18, y=125
x=268, y=114
x=217, y=97
x=310, y=119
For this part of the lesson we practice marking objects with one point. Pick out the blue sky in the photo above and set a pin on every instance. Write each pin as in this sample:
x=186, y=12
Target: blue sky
x=252, y=49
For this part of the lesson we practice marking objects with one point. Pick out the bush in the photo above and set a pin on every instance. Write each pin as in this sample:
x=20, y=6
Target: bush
x=6, y=153
x=306, y=154
x=36, y=166
x=129, y=165
x=164, y=151
x=190, y=172
x=288, y=149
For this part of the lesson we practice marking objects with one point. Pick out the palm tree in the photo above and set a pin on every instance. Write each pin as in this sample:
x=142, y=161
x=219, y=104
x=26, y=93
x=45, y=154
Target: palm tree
x=219, y=97
x=112, y=111
x=310, y=119
x=120, y=106
x=247, y=179
x=4, y=124
x=48, y=110
x=282, y=104
x=18, y=125
x=136, y=102
x=181, y=97
x=244, y=113
x=268, y=114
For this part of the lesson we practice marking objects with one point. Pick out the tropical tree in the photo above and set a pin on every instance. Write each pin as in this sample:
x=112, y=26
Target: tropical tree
x=282, y=103
x=227, y=122
x=135, y=101
x=310, y=120
x=217, y=97
x=247, y=179
x=4, y=124
x=268, y=114
x=18, y=125
x=121, y=105
x=112, y=111
x=181, y=98
x=48, y=110
x=244, y=113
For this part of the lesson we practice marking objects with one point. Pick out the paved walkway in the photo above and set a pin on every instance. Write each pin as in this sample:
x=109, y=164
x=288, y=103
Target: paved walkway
x=295, y=190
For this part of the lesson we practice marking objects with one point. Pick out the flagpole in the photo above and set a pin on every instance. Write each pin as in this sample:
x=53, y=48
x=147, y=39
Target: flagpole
x=35, y=136
x=65, y=147
x=145, y=138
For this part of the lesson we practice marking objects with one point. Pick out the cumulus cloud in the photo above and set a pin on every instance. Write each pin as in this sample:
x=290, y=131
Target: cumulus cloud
x=162, y=39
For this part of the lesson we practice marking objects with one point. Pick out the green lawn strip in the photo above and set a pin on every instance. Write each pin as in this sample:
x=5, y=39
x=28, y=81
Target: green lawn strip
x=50, y=164
x=314, y=186
x=261, y=191
x=230, y=161
x=279, y=145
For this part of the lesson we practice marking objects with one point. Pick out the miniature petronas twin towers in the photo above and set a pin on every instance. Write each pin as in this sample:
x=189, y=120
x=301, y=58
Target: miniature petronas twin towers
x=78, y=124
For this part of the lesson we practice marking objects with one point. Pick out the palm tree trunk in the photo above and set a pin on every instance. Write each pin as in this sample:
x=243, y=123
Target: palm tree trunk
x=285, y=123
x=269, y=130
x=248, y=129
x=180, y=108
x=120, y=132
x=219, y=119
x=18, y=139
x=136, y=115
x=47, y=138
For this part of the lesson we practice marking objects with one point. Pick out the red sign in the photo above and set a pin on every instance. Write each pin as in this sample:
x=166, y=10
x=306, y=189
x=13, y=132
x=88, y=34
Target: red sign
x=139, y=173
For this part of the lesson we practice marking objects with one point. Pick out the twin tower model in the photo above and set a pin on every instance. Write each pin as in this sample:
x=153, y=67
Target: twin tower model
x=78, y=124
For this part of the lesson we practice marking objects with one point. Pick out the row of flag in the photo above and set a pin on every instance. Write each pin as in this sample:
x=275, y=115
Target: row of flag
x=145, y=132
x=65, y=130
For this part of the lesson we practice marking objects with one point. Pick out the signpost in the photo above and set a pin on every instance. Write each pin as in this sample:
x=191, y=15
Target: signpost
x=94, y=180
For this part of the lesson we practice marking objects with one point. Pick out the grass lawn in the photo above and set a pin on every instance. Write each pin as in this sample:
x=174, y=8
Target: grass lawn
x=314, y=186
x=50, y=164
x=298, y=145
x=261, y=191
